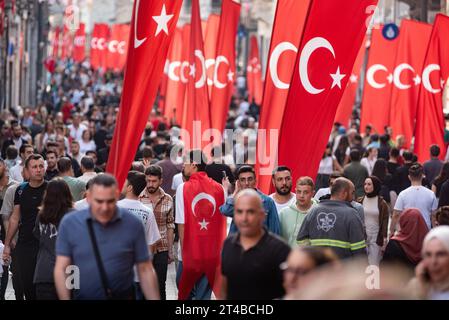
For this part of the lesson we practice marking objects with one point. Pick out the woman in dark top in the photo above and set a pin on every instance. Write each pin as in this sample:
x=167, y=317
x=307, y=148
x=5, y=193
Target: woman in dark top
x=342, y=153
x=380, y=170
x=405, y=247
x=440, y=179
x=57, y=202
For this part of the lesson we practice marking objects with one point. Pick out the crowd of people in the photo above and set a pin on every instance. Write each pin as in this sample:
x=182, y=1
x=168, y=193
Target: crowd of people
x=372, y=204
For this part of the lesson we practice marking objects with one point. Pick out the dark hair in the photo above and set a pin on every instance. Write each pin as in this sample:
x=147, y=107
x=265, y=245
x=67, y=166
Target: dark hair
x=320, y=255
x=137, y=181
x=216, y=151
x=358, y=138
x=377, y=185
x=443, y=176
x=56, y=203
x=91, y=152
x=374, y=137
x=75, y=142
x=33, y=157
x=384, y=139
x=155, y=171
x=87, y=163
x=23, y=147
x=105, y=180
x=442, y=216
x=380, y=169
x=51, y=152
x=335, y=175
x=408, y=156
x=281, y=169
x=339, y=186
x=11, y=152
x=355, y=155
x=435, y=151
x=137, y=166
x=198, y=158
x=147, y=152
x=245, y=169
x=64, y=164
x=416, y=171
x=343, y=143
x=394, y=153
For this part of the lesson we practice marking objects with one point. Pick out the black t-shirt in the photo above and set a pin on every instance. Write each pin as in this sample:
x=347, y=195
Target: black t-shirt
x=29, y=199
x=255, y=273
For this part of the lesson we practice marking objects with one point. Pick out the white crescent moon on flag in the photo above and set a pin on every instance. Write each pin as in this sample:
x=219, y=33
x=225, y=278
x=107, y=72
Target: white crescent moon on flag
x=202, y=81
x=203, y=196
x=217, y=83
x=101, y=44
x=112, y=46
x=274, y=60
x=426, y=77
x=210, y=63
x=171, y=70
x=397, y=76
x=311, y=46
x=137, y=42
x=370, y=76
x=121, y=47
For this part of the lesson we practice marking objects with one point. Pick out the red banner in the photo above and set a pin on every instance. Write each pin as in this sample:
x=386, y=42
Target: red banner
x=210, y=48
x=224, y=74
x=56, y=42
x=254, y=73
x=378, y=82
x=197, y=96
x=346, y=106
x=430, y=122
x=117, y=47
x=153, y=26
x=411, y=53
x=285, y=40
x=99, y=45
x=67, y=44
x=331, y=41
x=79, y=44
x=184, y=73
x=2, y=17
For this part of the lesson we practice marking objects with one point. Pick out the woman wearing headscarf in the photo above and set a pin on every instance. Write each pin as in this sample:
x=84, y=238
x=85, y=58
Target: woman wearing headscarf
x=376, y=219
x=432, y=273
x=405, y=247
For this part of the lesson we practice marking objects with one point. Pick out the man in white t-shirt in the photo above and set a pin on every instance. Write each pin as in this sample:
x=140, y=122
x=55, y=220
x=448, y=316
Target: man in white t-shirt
x=282, y=182
x=417, y=196
x=177, y=181
x=134, y=185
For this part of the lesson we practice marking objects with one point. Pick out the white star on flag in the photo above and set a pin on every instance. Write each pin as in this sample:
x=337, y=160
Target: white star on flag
x=192, y=70
x=353, y=78
x=417, y=80
x=230, y=76
x=162, y=21
x=337, y=77
x=203, y=224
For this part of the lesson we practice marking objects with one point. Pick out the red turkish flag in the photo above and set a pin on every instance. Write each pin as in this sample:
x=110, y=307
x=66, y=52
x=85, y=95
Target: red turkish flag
x=344, y=110
x=197, y=96
x=184, y=75
x=99, y=45
x=331, y=41
x=204, y=233
x=153, y=25
x=210, y=48
x=79, y=44
x=2, y=16
x=285, y=41
x=56, y=42
x=411, y=52
x=430, y=119
x=254, y=73
x=224, y=74
x=378, y=82
x=117, y=47
x=67, y=44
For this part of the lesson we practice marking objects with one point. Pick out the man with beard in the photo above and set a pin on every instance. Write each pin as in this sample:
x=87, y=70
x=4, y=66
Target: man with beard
x=52, y=169
x=282, y=182
x=16, y=140
x=161, y=203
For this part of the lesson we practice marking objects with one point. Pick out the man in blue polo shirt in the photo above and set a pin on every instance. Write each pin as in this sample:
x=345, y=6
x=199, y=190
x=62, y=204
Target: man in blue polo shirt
x=121, y=243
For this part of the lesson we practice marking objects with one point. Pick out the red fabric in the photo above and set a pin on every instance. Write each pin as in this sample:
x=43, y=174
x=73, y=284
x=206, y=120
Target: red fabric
x=67, y=111
x=55, y=42
x=225, y=72
x=344, y=110
x=411, y=52
x=412, y=233
x=67, y=44
x=174, y=94
x=146, y=58
x=184, y=74
x=204, y=233
x=197, y=96
x=210, y=48
x=430, y=122
x=79, y=44
x=99, y=45
x=2, y=17
x=50, y=64
x=117, y=47
x=254, y=73
x=332, y=38
x=285, y=40
x=376, y=99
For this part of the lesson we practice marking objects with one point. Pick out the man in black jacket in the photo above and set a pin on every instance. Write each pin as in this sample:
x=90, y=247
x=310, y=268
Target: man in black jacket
x=16, y=140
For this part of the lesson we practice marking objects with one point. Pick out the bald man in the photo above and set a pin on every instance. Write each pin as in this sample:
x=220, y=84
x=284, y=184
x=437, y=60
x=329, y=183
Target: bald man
x=252, y=256
x=334, y=223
